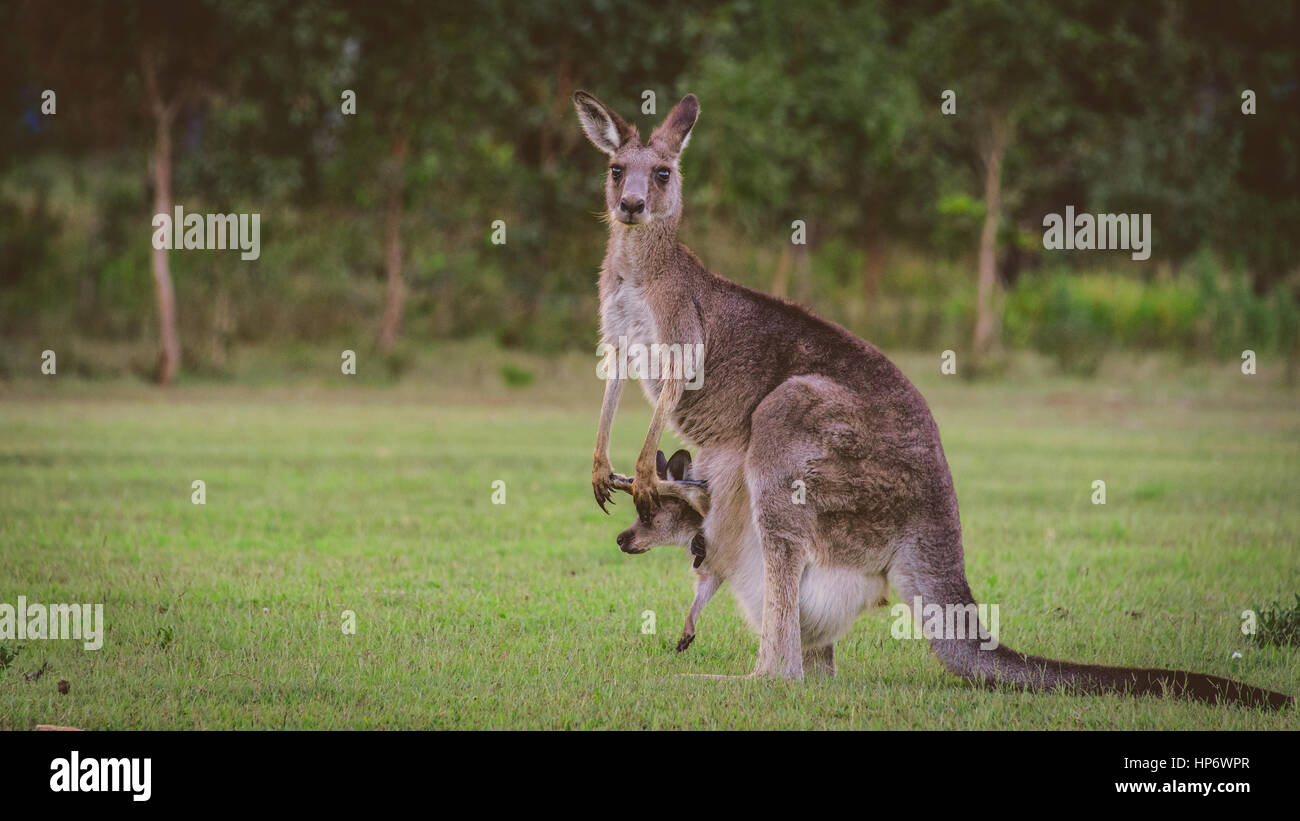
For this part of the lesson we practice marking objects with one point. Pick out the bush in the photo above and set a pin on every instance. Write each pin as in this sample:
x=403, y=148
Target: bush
x=1079, y=317
x=1278, y=625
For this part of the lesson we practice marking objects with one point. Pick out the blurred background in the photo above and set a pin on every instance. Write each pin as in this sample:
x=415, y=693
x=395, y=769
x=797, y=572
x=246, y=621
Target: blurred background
x=376, y=226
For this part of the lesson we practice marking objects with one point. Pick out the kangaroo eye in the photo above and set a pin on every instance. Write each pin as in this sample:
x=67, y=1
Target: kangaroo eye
x=616, y=171
x=663, y=174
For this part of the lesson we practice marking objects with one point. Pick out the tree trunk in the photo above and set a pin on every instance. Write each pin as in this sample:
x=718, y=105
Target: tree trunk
x=875, y=262
x=781, y=279
x=396, y=291
x=991, y=150
x=802, y=275
x=169, y=357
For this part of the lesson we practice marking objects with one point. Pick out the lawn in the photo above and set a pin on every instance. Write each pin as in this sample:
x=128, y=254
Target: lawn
x=333, y=496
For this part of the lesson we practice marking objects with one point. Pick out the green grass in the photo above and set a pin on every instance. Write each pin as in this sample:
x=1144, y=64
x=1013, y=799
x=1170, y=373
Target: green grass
x=337, y=495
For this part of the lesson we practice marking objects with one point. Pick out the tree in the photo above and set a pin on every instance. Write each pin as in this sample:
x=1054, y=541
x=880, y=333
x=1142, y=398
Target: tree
x=818, y=110
x=1014, y=69
x=163, y=106
x=156, y=58
x=183, y=49
x=419, y=69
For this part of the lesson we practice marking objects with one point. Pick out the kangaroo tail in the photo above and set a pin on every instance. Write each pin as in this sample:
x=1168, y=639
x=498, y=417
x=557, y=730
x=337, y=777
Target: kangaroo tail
x=973, y=658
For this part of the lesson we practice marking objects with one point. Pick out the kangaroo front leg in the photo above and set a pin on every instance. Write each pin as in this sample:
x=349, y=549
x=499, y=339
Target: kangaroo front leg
x=645, y=489
x=601, y=469
x=705, y=587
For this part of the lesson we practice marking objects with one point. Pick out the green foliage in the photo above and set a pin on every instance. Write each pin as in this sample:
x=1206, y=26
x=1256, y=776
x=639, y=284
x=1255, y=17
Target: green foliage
x=515, y=376
x=1279, y=624
x=825, y=112
x=8, y=654
x=1079, y=317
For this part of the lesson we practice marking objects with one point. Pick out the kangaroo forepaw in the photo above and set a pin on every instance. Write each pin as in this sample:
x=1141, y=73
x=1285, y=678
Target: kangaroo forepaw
x=602, y=485
x=645, y=494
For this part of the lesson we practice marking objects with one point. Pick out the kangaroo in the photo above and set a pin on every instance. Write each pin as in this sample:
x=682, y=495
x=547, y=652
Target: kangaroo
x=676, y=521
x=827, y=478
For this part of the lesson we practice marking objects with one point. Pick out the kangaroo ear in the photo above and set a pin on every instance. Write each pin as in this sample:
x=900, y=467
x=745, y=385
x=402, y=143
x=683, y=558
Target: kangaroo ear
x=661, y=465
x=606, y=130
x=679, y=465
x=675, y=132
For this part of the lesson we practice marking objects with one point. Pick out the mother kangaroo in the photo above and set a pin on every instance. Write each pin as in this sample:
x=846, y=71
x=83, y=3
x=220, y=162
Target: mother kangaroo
x=785, y=402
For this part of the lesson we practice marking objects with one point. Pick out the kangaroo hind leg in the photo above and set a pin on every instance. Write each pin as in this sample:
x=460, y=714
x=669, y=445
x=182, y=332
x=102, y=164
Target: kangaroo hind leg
x=820, y=661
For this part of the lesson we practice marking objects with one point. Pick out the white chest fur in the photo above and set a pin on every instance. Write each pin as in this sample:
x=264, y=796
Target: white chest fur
x=626, y=320
x=625, y=314
x=830, y=598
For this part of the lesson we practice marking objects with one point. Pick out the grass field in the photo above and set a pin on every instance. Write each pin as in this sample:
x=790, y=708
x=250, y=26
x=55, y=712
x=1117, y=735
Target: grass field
x=350, y=496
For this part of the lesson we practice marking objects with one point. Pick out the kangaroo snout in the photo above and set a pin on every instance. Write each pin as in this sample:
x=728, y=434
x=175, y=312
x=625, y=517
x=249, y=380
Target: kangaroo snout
x=631, y=205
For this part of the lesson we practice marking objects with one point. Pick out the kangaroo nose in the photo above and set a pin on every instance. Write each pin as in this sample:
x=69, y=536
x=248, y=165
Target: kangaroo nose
x=623, y=540
x=632, y=205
